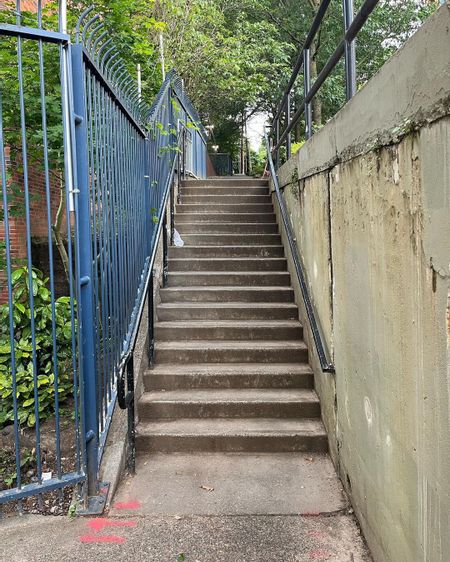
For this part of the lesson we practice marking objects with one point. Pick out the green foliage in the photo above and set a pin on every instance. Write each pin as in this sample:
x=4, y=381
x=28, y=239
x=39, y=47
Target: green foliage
x=23, y=350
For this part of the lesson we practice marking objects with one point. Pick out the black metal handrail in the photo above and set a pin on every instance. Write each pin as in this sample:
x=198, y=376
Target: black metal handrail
x=352, y=26
x=325, y=363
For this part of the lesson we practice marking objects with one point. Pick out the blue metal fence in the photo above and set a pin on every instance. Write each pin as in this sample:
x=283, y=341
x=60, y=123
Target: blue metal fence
x=119, y=161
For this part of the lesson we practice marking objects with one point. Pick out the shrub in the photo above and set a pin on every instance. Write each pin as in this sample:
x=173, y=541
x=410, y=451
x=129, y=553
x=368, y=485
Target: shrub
x=24, y=350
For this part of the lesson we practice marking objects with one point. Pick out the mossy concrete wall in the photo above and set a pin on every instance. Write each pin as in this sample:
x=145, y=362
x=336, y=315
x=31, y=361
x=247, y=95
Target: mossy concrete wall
x=369, y=201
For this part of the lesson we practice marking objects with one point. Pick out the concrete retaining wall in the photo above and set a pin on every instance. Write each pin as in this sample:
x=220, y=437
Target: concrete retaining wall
x=369, y=200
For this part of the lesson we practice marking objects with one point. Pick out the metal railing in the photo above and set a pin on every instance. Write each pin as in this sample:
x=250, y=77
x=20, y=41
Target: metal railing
x=118, y=158
x=324, y=357
x=285, y=119
x=222, y=162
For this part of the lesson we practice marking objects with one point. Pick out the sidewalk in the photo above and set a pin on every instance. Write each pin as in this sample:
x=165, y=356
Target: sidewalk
x=204, y=508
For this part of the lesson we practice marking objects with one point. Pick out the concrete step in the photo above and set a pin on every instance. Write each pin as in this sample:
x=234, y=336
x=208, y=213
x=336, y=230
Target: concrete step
x=231, y=199
x=227, y=264
x=225, y=190
x=225, y=294
x=226, y=182
x=227, y=228
x=232, y=435
x=229, y=330
x=231, y=239
x=229, y=403
x=210, y=351
x=223, y=208
x=229, y=375
x=243, y=278
x=226, y=311
x=230, y=217
x=253, y=251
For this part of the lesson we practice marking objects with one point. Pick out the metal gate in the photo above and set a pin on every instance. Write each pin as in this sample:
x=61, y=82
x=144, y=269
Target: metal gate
x=101, y=163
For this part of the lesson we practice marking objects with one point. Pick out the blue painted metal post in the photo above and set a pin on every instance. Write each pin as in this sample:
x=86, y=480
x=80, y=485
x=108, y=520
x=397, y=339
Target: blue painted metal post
x=84, y=283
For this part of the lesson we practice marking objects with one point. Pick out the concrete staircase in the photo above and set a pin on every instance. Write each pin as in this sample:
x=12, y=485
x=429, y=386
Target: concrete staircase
x=231, y=368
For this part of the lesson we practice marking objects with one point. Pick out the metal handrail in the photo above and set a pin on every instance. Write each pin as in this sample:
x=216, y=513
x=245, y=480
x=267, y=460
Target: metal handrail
x=325, y=363
x=352, y=26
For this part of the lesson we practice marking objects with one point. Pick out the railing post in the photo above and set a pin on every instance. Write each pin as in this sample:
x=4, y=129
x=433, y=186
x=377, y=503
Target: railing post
x=165, y=250
x=350, y=56
x=151, y=320
x=172, y=206
x=85, y=293
x=130, y=417
x=306, y=88
x=288, y=120
x=277, y=139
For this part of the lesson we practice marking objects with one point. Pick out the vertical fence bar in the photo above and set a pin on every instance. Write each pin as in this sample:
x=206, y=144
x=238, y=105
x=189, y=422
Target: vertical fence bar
x=85, y=286
x=10, y=299
x=306, y=88
x=350, y=55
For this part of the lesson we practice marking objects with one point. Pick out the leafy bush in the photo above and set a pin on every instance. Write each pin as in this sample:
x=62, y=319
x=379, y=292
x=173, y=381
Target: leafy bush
x=24, y=350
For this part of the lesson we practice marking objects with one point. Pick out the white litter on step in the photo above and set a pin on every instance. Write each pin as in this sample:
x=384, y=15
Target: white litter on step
x=177, y=240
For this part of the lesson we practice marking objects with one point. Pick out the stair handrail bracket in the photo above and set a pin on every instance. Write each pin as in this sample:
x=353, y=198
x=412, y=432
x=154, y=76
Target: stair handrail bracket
x=323, y=354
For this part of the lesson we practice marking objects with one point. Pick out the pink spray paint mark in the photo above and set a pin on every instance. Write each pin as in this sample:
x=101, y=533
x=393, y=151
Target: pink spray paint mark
x=100, y=523
x=319, y=555
x=133, y=504
x=317, y=534
x=106, y=538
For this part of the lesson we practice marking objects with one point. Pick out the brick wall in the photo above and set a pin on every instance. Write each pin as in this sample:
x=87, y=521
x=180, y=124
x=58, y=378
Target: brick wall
x=38, y=224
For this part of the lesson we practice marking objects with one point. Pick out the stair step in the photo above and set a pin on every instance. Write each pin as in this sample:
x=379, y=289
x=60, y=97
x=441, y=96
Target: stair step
x=242, y=278
x=227, y=294
x=229, y=330
x=225, y=190
x=221, y=208
x=231, y=239
x=236, y=217
x=227, y=264
x=229, y=375
x=211, y=351
x=232, y=435
x=229, y=403
x=228, y=199
x=254, y=251
x=227, y=311
x=226, y=182
x=227, y=228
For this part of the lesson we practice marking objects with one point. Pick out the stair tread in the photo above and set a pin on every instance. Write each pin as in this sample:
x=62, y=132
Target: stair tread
x=231, y=344
x=236, y=395
x=227, y=246
x=227, y=258
x=215, y=288
x=226, y=305
x=229, y=323
x=230, y=368
x=233, y=426
x=237, y=273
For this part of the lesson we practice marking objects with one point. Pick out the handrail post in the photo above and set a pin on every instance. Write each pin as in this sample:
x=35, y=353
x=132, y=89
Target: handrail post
x=306, y=88
x=151, y=319
x=350, y=56
x=288, y=120
x=85, y=293
x=165, y=250
x=277, y=139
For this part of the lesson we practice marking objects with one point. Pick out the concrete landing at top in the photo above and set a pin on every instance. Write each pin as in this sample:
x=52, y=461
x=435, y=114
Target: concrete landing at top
x=244, y=484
